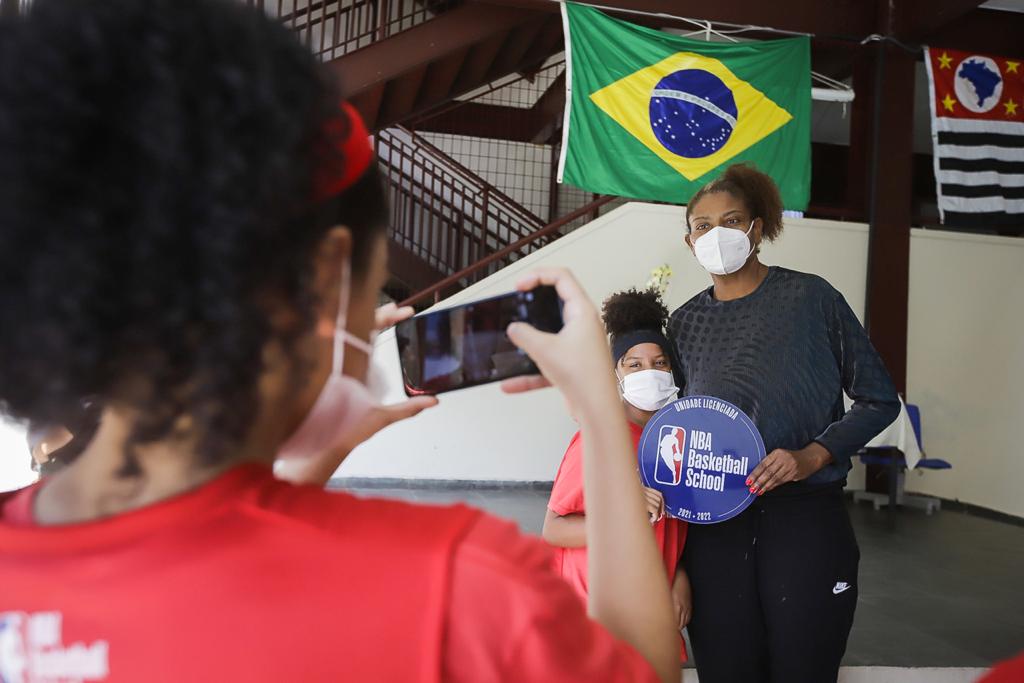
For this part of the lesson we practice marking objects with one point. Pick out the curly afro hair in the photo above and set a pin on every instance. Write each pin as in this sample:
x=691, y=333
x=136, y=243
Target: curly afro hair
x=633, y=310
x=157, y=160
x=755, y=189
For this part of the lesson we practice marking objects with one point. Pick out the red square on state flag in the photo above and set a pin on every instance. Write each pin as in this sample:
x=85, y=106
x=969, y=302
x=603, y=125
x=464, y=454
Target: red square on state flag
x=972, y=86
x=977, y=107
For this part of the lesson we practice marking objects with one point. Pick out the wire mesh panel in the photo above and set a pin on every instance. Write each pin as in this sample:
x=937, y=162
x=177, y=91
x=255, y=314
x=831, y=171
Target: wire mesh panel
x=519, y=90
x=441, y=211
x=521, y=170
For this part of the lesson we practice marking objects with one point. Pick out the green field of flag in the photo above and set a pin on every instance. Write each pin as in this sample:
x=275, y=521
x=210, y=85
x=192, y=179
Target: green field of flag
x=651, y=115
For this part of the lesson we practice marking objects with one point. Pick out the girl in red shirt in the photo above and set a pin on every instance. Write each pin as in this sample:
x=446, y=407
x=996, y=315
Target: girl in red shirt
x=193, y=234
x=635, y=322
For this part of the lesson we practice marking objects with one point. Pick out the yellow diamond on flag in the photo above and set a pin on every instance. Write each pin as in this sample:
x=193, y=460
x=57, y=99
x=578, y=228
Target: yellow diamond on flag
x=691, y=111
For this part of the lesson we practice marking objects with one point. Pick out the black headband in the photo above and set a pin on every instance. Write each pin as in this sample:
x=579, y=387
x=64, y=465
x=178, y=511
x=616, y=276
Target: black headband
x=624, y=342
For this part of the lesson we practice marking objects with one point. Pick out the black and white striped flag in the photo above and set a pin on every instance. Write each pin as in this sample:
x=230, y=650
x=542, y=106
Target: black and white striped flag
x=977, y=106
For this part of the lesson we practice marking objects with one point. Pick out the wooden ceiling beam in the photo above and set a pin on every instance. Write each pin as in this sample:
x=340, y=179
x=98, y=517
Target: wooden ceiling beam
x=854, y=18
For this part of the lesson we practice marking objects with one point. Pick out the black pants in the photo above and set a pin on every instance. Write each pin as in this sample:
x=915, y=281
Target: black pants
x=774, y=589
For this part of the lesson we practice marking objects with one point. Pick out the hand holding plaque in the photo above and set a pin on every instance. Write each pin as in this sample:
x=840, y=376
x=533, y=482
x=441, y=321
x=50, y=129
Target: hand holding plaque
x=699, y=452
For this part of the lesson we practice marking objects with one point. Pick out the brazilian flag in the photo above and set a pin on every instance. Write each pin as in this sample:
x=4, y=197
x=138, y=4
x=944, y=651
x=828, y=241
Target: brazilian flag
x=655, y=116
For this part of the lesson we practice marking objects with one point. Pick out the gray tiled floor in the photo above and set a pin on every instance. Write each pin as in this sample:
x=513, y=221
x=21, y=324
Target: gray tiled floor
x=945, y=590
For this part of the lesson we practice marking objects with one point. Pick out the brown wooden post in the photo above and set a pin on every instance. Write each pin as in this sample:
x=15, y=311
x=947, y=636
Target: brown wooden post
x=889, y=187
x=859, y=156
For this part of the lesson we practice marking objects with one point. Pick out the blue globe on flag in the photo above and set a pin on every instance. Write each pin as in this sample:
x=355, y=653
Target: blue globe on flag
x=978, y=84
x=693, y=113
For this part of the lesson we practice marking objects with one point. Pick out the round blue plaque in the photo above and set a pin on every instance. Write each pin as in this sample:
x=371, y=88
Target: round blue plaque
x=698, y=452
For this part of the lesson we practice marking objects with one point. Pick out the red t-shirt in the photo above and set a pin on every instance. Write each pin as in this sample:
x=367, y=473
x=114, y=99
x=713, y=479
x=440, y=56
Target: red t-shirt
x=250, y=578
x=1010, y=671
x=567, y=498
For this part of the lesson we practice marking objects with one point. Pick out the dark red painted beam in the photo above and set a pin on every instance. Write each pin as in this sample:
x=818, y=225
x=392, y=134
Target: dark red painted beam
x=550, y=108
x=983, y=30
x=855, y=18
x=485, y=121
x=861, y=113
x=536, y=124
x=890, y=187
x=920, y=18
x=373, y=67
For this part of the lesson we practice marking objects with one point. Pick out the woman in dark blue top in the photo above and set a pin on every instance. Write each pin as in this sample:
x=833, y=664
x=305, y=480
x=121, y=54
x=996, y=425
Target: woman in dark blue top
x=775, y=588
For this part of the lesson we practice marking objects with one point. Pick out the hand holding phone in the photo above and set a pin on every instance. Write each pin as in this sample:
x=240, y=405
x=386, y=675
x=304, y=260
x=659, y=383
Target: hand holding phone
x=468, y=345
x=575, y=357
x=319, y=469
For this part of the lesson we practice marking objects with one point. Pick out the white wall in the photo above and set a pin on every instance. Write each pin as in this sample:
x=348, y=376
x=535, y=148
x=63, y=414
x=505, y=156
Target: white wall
x=965, y=365
x=479, y=434
x=15, y=461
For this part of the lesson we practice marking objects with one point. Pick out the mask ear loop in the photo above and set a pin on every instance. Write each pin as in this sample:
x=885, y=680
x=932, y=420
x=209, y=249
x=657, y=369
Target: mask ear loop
x=750, y=242
x=619, y=381
x=341, y=335
x=339, y=322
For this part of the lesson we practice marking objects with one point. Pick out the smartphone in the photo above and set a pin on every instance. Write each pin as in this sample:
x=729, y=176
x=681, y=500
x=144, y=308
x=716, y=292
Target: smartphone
x=466, y=345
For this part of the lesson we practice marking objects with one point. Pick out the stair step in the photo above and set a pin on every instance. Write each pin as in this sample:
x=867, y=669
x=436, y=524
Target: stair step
x=441, y=76
x=477, y=65
x=517, y=43
x=400, y=94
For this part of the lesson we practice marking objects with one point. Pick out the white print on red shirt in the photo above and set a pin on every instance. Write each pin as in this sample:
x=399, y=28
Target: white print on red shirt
x=32, y=651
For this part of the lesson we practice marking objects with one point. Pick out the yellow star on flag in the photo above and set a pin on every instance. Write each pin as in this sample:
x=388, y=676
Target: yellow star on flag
x=1011, y=107
x=757, y=117
x=944, y=61
x=948, y=102
x=1011, y=67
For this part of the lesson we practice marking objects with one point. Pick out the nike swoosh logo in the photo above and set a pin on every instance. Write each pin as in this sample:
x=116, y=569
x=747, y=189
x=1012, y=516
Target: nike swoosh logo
x=840, y=589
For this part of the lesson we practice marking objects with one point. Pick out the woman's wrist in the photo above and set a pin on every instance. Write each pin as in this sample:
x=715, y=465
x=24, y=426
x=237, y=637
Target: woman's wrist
x=813, y=458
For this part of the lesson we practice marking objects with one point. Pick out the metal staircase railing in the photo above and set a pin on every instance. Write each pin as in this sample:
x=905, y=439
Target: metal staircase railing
x=499, y=259
x=332, y=28
x=442, y=212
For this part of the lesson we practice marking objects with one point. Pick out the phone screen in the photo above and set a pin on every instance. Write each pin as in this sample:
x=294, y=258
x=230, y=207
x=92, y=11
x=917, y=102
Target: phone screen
x=466, y=345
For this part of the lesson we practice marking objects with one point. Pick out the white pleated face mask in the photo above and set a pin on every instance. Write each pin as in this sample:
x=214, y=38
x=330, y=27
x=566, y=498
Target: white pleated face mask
x=649, y=390
x=723, y=251
x=343, y=402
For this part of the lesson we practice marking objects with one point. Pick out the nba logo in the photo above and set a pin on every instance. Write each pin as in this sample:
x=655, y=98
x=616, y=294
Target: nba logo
x=13, y=653
x=668, y=469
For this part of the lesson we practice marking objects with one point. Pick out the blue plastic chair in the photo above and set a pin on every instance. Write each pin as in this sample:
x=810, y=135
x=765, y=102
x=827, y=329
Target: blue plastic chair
x=896, y=462
x=914, y=413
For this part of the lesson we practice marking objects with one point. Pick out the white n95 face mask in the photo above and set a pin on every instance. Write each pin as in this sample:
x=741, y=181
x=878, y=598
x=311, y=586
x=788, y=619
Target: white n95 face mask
x=723, y=251
x=649, y=390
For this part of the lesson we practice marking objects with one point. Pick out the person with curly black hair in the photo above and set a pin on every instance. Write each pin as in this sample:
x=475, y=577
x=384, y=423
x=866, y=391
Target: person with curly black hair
x=782, y=346
x=192, y=234
x=635, y=322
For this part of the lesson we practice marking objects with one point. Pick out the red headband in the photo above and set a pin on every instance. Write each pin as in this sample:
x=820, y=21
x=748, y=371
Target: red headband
x=356, y=152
